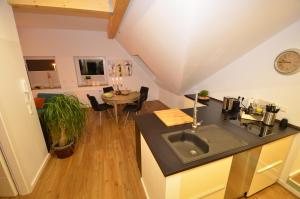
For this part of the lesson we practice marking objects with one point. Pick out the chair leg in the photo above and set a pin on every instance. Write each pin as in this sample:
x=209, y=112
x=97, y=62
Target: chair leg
x=100, y=117
x=126, y=118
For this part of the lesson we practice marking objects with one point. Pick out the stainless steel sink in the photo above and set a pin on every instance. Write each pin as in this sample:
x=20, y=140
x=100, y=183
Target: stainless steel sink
x=207, y=141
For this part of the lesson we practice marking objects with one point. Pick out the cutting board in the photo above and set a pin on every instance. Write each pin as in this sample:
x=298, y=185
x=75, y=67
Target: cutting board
x=172, y=117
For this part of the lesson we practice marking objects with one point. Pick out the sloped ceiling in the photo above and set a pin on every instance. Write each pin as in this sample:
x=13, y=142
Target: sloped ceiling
x=184, y=42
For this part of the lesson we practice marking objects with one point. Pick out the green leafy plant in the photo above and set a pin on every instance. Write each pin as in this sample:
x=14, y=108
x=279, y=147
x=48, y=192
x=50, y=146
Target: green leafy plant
x=65, y=117
x=203, y=93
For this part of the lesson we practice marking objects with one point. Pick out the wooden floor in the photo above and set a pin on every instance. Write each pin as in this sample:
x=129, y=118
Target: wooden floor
x=275, y=191
x=296, y=178
x=104, y=167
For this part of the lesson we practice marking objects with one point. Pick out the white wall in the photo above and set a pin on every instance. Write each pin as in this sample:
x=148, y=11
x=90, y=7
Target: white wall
x=253, y=75
x=65, y=44
x=23, y=137
x=170, y=99
x=40, y=79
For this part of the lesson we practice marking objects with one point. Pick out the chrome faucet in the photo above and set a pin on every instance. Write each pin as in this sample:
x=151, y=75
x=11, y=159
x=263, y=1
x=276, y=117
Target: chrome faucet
x=195, y=124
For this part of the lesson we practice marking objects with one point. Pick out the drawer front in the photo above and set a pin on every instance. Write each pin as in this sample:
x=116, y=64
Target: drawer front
x=264, y=178
x=274, y=152
x=270, y=164
x=206, y=181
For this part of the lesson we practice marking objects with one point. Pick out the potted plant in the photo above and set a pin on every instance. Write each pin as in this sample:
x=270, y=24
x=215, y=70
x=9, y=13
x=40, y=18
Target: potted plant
x=65, y=117
x=203, y=95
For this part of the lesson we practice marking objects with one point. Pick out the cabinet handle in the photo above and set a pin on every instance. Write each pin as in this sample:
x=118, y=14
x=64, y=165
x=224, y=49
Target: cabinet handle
x=270, y=166
x=209, y=192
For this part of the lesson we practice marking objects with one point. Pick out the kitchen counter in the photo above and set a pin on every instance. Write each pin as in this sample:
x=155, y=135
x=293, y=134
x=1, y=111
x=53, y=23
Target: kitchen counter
x=151, y=128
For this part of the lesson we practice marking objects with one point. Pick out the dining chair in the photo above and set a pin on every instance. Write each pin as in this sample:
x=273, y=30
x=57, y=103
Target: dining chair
x=144, y=90
x=108, y=89
x=135, y=107
x=98, y=107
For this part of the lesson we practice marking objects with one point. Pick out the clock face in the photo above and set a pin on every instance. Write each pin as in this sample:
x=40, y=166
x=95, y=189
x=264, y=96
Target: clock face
x=287, y=62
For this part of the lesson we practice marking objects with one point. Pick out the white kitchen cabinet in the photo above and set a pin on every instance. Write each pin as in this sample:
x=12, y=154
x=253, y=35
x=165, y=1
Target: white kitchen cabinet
x=206, y=182
x=270, y=164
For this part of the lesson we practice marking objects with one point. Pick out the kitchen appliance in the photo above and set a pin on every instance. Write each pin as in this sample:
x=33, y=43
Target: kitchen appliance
x=231, y=105
x=227, y=104
x=269, y=118
x=270, y=115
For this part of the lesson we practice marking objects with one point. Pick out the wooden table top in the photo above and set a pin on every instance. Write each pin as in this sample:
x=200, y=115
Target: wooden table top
x=122, y=99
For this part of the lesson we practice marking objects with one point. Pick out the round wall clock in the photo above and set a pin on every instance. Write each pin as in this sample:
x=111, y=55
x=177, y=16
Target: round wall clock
x=288, y=62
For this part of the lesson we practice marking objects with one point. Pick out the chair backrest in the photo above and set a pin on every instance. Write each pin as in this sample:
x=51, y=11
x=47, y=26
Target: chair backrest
x=145, y=91
x=93, y=101
x=140, y=101
x=108, y=89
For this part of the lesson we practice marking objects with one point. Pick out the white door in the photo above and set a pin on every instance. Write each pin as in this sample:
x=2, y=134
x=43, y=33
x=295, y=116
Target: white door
x=7, y=186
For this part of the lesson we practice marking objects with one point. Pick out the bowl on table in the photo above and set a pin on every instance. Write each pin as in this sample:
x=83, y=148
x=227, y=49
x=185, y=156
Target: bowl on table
x=108, y=95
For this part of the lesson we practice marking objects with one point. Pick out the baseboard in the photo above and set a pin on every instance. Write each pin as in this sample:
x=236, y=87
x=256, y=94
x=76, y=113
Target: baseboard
x=289, y=188
x=145, y=189
x=40, y=171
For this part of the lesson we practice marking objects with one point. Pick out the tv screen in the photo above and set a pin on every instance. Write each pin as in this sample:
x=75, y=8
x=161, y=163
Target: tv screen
x=91, y=67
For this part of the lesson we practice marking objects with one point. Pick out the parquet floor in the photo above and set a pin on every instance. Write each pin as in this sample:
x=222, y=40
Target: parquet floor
x=103, y=166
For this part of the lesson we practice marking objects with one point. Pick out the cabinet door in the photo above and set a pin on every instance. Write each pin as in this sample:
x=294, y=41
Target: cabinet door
x=207, y=181
x=270, y=164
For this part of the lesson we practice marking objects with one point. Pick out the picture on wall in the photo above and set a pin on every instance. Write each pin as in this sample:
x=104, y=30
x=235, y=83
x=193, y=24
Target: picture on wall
x=120, y=68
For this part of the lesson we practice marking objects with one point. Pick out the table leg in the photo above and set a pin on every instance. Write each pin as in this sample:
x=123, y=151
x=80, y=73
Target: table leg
x=116, y=112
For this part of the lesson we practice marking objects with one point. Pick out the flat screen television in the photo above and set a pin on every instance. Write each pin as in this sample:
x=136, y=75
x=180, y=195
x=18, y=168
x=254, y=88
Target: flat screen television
x=91, y=66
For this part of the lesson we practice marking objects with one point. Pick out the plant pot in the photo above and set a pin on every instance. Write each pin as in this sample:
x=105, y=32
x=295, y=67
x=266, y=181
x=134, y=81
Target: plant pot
x=64, y=151
x=205, y=98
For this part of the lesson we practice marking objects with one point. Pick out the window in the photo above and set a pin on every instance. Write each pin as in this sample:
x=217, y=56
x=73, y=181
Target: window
x=90, y=71
x=42, y=72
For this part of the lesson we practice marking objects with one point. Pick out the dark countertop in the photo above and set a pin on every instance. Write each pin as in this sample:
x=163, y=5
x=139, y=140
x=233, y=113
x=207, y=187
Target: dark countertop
x=151, y=128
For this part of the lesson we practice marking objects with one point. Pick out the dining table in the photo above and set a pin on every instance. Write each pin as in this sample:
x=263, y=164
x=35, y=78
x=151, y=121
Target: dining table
x=116, y=99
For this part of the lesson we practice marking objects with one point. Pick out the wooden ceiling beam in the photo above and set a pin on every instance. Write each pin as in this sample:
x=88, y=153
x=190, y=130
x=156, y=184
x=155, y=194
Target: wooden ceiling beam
x=120, y=7
x=95, y=8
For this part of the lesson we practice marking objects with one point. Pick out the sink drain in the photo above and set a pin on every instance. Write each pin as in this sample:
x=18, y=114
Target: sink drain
x=193, y=152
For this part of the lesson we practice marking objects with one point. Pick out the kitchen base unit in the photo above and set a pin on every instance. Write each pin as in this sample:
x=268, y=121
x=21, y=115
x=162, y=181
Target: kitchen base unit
x=257, y=168
x=270, y=164
x=206, y=182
